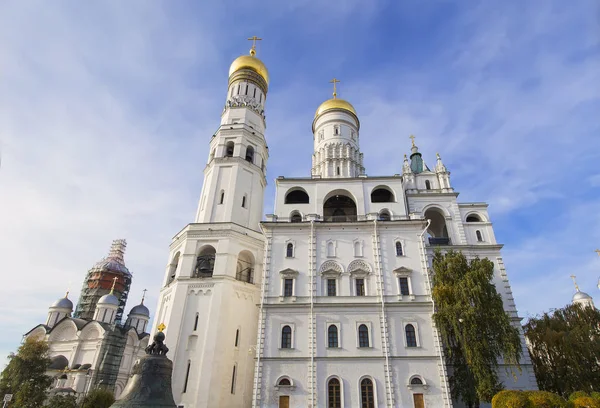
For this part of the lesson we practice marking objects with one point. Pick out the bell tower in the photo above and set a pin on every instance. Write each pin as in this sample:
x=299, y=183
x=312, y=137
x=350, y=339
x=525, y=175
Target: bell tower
x=211, y=287
x=234, y=177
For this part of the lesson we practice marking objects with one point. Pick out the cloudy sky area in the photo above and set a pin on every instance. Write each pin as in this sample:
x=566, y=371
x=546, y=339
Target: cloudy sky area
x=107, y=108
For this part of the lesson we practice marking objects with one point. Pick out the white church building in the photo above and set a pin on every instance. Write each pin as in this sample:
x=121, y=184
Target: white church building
x=326, y=303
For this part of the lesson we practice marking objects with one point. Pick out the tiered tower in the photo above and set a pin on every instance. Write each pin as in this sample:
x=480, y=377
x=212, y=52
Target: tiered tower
x=100, y=279
x=208, y=301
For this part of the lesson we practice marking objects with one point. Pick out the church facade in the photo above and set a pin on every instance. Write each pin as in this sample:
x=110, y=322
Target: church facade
x=328, y=302
x=95, y=349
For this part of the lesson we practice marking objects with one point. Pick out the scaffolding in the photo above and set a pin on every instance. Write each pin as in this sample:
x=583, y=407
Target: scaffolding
x=106, y=372
x=99, y=280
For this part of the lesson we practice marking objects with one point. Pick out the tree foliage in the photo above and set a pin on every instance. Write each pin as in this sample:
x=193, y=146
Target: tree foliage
x=25, y=375
x=62, y=401
x=564, y=348
x=475, y=329
x=98, y=398
x=529, y=399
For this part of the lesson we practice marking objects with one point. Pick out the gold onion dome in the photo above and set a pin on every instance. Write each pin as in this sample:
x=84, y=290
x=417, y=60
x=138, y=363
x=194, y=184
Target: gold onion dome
x=250, y=62
x=335, y=103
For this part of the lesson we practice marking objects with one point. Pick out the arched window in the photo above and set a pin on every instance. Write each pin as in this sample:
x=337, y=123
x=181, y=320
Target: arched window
x=382, y=195
x=330, y=249
x=196, y=322
x=245, y=267
x=296, y=217
x=286, y=337
x=427, y=185
x=244, y=201
x=237, y=337
x=332, y=336
x=411, y=336
x=479, y=236
x=250, y=154
x=229, y=149
x=173, y=267
x=205, y=262
x=473, y=218
x=399, y=251
x=285, y=382
x=363, y=336
x=296, y=197
x=289, y=252
x=367, y=396
x=334, y=399
x=416, y=381
x=384, y=215
x=222, y=198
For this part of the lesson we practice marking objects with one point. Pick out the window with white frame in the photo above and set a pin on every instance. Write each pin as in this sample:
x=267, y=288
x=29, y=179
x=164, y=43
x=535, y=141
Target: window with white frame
x=358, y=248
x=399, y=248
x=411, y=335
x=359, y=287
x=359, y=272
x=403, y=276
x=289, y=249
x=288, y=283
x=363, y=332
x=287, y=336
x=330, y=272
x=331, y=247
x=479, y=236
x=333, y=335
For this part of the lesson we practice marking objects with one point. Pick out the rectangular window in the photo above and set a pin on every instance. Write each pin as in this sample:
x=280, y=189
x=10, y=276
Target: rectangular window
x=254, y=92
x=331, y=287
x=288, y=287
x=404, y=290
x=360, y=287
x=237, y=337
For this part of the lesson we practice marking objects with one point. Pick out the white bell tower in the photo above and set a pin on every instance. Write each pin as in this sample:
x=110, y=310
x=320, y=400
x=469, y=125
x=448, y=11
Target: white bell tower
x=211, y=287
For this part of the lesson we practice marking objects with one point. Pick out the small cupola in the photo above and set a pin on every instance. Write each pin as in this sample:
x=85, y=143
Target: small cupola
x=60, y=309
x=106, y=308
x=139, y=316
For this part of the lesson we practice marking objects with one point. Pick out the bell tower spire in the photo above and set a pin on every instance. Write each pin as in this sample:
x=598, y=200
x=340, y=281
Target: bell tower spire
x=234, y=177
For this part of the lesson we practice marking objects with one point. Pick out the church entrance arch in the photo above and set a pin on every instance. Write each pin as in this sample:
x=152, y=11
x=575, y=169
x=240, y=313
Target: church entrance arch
x=339, y=207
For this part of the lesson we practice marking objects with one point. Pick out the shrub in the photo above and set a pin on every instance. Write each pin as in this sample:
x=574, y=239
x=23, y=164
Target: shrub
x=511, y=399
x=98, y=398
x=595, y=395
x=585, y=402
x=578, y=394
x=545, y=399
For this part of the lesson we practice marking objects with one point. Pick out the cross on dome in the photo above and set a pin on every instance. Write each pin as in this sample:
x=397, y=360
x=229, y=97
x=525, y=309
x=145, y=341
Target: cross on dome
x=334, y=81
x=254, y=39
x=575, y=283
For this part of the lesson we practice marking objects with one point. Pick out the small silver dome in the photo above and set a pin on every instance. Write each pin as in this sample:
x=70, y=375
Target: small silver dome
x=581, y=296
x=63, y=303
x=140, y=310
x=109, y=299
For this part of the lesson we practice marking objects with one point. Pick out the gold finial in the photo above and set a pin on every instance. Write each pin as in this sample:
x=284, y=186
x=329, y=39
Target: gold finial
x=334, y=81
x=144, y=295
x=575, y=282
x=597, y=251
x=412, y=138
x=161, y=327
x=112, y=289
x=67, y=294
x=254, y=39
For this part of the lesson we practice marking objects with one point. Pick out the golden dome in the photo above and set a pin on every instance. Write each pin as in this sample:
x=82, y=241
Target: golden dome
x=335, y=103
x=250, y=62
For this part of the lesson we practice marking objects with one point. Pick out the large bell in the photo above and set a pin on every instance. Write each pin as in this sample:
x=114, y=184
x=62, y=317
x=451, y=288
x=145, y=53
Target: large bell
x=150, y=385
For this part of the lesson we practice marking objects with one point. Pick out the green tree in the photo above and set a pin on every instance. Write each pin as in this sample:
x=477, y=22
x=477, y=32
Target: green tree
x=62, y=401
x=475, y=329
x=98, y=398
x=25, y=375
x=564, y=346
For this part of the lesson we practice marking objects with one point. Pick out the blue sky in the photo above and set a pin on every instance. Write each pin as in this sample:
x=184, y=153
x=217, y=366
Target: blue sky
x=107, y=108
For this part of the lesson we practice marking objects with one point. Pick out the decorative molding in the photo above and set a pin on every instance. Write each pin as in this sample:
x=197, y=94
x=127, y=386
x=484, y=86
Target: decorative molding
x=358, y=266
x=245, y=101
x=331, y=267
x=402, y=271
x=289, y=273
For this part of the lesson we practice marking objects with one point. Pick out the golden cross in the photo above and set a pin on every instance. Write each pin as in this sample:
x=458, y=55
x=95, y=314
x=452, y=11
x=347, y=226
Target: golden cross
x=254, y=39
x=575, y=282
x=597, y=251
x=144, y=295
x=334, y=81
x=161, y=327
x=412, y=138
x=115, y=279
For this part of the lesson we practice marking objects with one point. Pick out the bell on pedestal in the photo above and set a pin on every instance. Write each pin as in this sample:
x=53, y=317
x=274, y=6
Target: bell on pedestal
x=150, y=385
